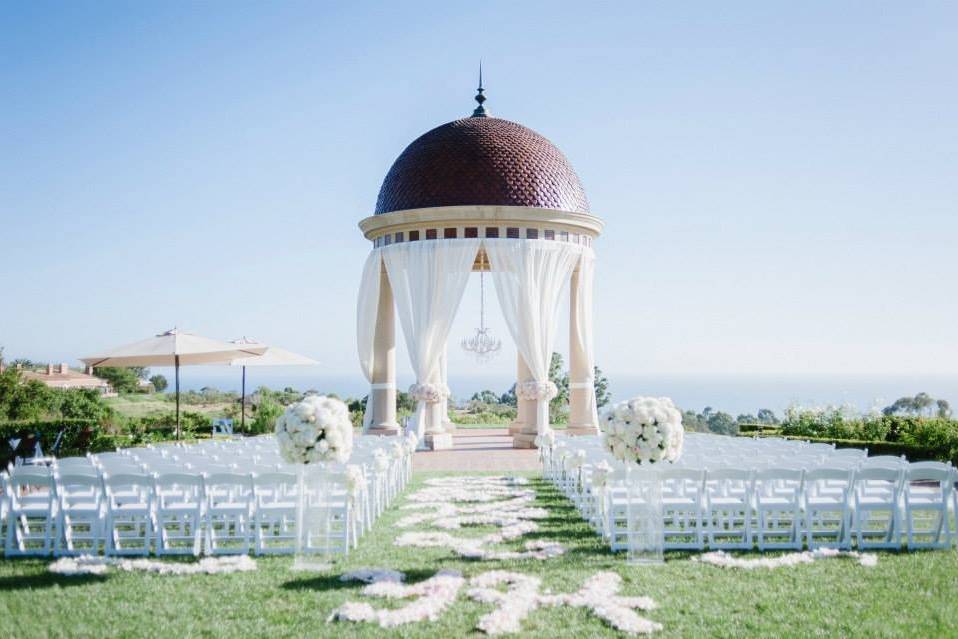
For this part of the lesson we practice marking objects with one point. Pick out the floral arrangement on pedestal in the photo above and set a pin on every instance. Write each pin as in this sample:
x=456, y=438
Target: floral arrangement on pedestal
x=428, y=393
x=311, y=433
x=316, y=429
x=643, y=430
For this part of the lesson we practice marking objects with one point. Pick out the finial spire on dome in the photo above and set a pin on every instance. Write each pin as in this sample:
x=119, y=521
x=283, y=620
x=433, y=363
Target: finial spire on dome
x=480, y=111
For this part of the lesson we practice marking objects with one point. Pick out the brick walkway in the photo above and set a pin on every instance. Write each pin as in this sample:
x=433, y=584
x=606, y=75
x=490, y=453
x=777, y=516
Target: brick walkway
x=478, y=449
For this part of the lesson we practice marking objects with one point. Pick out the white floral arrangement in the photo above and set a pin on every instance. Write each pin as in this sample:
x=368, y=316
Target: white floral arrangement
x=410, y=442
x=643, y=430
x=316, y=429
x=533, y=390
x=429, y=393
x=600, y=474
x=355, y=480
x=381, y=460
x=546, y=439
x=574, y=460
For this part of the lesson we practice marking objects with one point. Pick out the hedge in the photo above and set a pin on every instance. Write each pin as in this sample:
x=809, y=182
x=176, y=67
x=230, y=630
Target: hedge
x=48, y=430
x=912, y=452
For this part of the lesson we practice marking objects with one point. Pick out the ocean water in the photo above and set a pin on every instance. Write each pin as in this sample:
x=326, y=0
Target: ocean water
x=730, y=393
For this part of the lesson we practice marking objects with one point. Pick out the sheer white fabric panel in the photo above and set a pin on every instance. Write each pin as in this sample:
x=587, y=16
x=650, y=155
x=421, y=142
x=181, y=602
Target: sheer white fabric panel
x=367, y=313
x=428, y=279
x=584, y=319
x=529, y=276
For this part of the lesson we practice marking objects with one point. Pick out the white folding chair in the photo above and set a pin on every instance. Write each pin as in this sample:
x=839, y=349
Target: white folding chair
x=728, y=508
x=179, y=514
x=682, y=508
x=274, y=513
x=79, y=515
x=877, y=520
x=778, y=507
x=827, y=507
x=130, y=523
x=31, y=512
x=927, y=495
x=229, y=514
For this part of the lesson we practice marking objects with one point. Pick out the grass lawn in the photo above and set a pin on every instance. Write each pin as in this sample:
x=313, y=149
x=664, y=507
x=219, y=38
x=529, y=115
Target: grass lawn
x=136, y=405
x=910, y=595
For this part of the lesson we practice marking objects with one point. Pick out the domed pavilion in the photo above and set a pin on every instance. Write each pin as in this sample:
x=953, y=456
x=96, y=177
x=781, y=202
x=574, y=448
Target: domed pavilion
x=478, y=194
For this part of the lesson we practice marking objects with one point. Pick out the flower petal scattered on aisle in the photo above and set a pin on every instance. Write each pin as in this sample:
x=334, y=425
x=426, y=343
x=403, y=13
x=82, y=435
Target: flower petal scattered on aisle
x=454, y=503
x=90, y=565
x=433, y=597
x=724, y=560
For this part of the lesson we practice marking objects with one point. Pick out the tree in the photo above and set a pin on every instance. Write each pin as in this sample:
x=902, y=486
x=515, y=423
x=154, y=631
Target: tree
x=485, y=397
x=921, y=404
x=602, y=394
x=508, y=398
x=559, y=404
x=159, y=383
x=721, y=423
x=766, y=416
x=944, y=408
x=82, y=403
x=123, y=380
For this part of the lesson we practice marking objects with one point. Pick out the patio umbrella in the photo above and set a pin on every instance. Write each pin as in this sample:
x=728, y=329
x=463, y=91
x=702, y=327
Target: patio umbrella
x=174, y=348
x=273, y=356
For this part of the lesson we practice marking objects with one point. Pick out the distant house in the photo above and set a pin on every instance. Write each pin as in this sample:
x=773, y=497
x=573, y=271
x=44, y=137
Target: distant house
x=60, y=376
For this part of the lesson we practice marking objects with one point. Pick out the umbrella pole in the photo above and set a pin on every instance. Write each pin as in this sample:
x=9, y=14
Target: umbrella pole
x=176, y=360
x=243, y=404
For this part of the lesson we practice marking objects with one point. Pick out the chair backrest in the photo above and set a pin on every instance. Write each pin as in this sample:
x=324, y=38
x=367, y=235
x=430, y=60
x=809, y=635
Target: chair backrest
x=888, y=480
x=726, y=481
x=828, y=478
x=778, y=481
x=72, y=488
x=30, y=476
x=222, y=426
x=32, y=486
x=945, y=466
x=928, y=474
x=133, y=486
x=884, y=460
x=274, y=487
x=229, y=487
x=849, y=452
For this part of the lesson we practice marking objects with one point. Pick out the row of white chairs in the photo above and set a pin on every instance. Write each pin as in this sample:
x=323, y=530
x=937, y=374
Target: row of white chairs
x=882, y=502
x=233, y=497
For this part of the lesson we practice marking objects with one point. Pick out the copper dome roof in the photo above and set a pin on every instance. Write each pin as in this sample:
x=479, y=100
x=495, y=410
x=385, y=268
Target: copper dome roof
x=481, y=161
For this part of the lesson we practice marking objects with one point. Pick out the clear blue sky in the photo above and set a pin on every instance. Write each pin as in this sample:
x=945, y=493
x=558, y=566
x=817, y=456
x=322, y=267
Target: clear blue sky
x=778, y=179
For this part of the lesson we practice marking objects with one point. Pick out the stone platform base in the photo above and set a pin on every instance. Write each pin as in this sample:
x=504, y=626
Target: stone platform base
x=438, y=441
x=524, y=440
x=380, y=431
x=585, y=429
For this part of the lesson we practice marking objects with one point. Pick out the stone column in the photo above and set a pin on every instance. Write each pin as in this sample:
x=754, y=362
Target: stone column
x=528, y=417
x=525, y=410
x=581, y=374
x=383, y=393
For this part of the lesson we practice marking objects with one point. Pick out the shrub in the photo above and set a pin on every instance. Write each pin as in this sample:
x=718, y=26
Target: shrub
x=929, y=437
x=77, y=437
x=264, y=416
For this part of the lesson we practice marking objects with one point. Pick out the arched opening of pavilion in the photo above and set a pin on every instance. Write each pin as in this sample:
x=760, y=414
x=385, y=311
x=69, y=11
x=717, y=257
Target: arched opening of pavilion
x=478, y=194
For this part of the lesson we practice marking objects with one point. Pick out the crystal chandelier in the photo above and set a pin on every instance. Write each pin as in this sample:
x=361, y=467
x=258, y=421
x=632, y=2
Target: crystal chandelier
x=483, y=345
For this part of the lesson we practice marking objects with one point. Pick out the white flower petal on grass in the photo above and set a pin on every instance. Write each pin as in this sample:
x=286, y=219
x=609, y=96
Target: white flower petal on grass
x=724, y=560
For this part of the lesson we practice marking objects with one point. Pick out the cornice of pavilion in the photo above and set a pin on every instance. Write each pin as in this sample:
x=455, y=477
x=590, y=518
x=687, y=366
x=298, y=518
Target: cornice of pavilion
x=481, y=217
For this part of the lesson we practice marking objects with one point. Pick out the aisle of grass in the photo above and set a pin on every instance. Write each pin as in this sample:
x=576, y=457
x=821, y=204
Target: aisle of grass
x=905, y=595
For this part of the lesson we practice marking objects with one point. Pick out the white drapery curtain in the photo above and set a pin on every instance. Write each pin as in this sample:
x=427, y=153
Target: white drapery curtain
x=428, y=280
x=583, y=314
x=529, y=276
x=367, y=313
